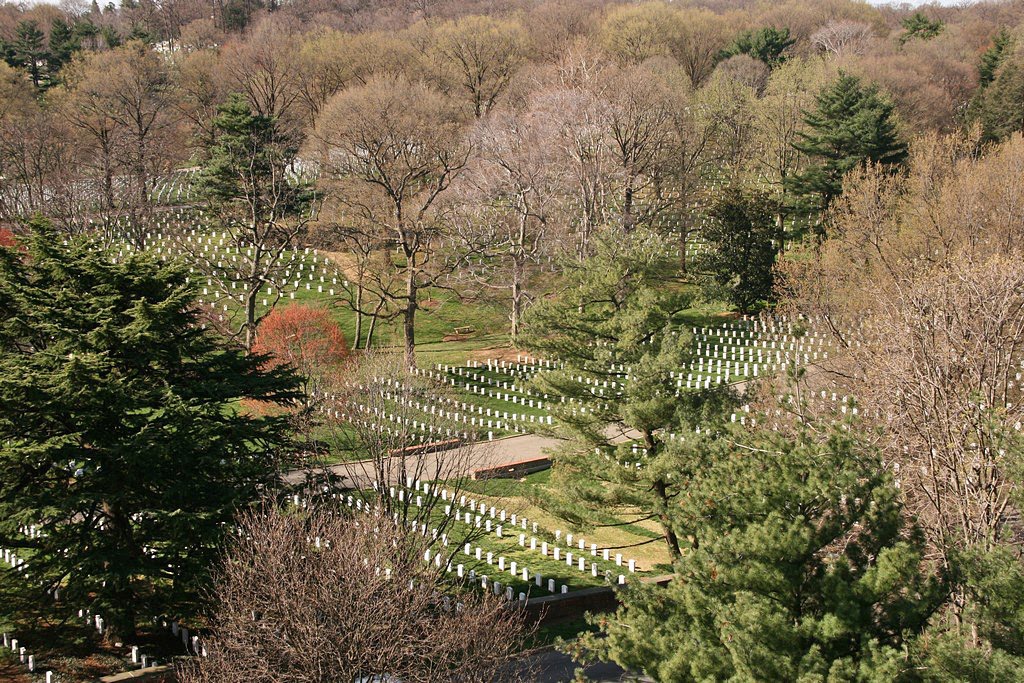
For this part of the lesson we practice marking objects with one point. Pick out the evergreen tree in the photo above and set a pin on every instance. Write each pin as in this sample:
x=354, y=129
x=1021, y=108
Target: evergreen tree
x=247, y=182
x=999, y=107
x=120, y=437
x=986, y=643
x=768, y=44
x=742, y=233
x=29, y=50
x=141, y=34
x=611, y=328
x=86, y=33
x=919, y=26
x=993, y=57
x=852, y=124
x=801, y=567
x=64, y=43
x=7, y=53
x=110, y=35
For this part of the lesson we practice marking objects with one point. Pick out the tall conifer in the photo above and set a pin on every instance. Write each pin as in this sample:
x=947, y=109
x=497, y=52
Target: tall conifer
x=122, y=448
x=851, y=124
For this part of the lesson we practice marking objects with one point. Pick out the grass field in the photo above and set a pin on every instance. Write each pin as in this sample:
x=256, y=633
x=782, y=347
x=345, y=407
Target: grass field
x=527, y=496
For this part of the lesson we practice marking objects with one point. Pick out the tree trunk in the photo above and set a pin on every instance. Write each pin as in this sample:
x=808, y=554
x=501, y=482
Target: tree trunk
x=140, y=172
x=250, y=317
x=517, y=297
x=409, y=315
x=369, y=332
x=664, y=502
x=780, y=226
x=628, y=222
x=108, y=179
x=359, y=315
x=682, y=251
x=119, y=619
x=671, y=539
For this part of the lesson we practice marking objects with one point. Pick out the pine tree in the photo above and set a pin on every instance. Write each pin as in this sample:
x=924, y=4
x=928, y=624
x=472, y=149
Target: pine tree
x=64, y=42
x=999, y=107
x=921, y=27
x=247, y=183
x=742, y=233
x=852, y=124
x=801, y=566
x=993, y=57
x=120, y=438
x=29, y=50
x=768, y=45
x=611, y=329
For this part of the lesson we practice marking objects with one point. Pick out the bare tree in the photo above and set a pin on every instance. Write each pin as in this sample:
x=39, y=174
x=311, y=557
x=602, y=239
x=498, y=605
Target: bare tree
x=392, y=148
x=702, y=36
x=727, y=105
x=316, y=596
x=138, y=90
x=120, y=103
x=579, y=115
x=372, y=285
x=477, y=57
x=199, y=92
x=396, y=430
x=842, y=37
x=40, y=165
x=87, y=108
x=266, y=69
x=511, y=199
x=331, y=61
x=640, y=113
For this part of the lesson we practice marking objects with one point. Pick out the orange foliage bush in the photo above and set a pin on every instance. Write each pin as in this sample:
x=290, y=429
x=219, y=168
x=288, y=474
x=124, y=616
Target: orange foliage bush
x=305, y=337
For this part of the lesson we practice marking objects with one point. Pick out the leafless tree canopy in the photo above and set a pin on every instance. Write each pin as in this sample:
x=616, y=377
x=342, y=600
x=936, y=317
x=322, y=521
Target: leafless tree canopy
x=842, y=37
x=318, y=596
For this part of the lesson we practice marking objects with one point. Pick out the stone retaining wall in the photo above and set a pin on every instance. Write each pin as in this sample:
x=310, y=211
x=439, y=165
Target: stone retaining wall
x=513, y=470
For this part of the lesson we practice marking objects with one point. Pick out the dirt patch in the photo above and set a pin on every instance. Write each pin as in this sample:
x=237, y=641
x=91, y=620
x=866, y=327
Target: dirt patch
x=430, y=304
x=505, y=353
x=345, y=263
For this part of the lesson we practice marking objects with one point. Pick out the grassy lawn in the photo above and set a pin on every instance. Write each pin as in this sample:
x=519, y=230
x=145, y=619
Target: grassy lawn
x=640, y=541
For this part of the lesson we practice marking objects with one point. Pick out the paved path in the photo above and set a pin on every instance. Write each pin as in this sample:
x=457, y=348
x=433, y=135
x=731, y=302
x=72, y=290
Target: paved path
x=454, y=462
x=444, y=464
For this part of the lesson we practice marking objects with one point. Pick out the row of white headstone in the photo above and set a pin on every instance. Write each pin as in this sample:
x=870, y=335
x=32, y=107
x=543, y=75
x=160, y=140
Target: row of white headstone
x=94, y=620
x=456, y=416
x=415, y=492
x=481, y=511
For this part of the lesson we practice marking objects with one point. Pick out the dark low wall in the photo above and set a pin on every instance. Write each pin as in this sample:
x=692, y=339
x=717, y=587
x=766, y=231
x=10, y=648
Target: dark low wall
x=513, y=470
x=574, y=604
x=431, y=447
